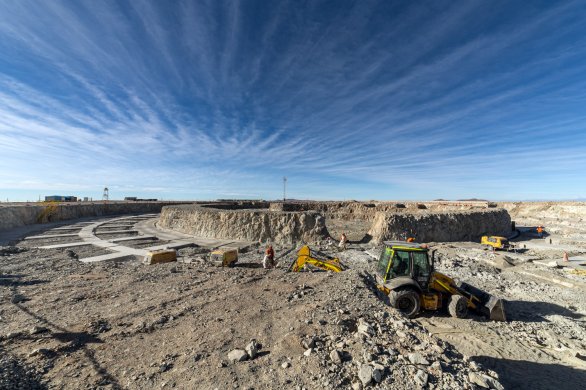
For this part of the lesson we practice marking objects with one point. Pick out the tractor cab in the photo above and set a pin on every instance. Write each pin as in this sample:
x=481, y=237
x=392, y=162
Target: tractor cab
x=405, y=262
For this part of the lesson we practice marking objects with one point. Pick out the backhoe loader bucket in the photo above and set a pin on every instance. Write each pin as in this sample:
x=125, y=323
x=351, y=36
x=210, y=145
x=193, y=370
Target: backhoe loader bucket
x=490, y=306
x=495, y=309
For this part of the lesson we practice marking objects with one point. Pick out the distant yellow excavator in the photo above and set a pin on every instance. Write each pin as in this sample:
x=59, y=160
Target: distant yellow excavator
x=307, y=259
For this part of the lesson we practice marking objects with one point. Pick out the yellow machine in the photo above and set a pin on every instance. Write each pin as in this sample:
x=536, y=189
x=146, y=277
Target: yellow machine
x=496, y=242
x=224, y=257
x=307, y=259
x=160, y=256
x=406, y=274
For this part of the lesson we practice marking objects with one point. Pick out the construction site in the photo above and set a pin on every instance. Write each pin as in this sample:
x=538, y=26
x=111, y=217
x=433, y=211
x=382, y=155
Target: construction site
x=293, y=295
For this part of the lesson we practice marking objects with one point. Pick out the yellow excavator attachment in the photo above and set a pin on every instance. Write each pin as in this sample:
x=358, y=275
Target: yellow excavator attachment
x=478, y=300
x=305, y=256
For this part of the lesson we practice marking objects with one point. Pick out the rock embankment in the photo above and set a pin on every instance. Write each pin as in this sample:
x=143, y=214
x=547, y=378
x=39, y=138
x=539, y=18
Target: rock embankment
x=251, y=225
x=14, y=216
x=441, y=226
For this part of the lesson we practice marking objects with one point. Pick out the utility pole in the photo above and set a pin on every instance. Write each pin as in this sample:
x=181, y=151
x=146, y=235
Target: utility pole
x=284, y=188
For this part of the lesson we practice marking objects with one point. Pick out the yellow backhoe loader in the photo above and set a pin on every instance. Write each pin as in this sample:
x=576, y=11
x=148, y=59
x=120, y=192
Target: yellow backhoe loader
x=405, y=273
x=308, y=259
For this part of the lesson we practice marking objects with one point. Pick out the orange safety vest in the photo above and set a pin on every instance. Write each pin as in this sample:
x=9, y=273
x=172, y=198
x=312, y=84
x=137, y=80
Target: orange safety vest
x=270, y=253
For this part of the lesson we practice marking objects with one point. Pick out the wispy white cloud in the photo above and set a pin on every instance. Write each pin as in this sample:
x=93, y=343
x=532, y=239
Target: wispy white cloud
x=203, y=98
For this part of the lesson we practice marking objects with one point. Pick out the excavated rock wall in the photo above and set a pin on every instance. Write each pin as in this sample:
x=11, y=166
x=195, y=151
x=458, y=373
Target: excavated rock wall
x=441, y=226
x=366, y=211
x=551, y=210
x=13, y=216
x=252, y=225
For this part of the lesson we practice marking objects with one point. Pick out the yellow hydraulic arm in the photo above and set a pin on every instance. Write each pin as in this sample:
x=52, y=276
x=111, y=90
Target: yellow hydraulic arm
x=305, y=256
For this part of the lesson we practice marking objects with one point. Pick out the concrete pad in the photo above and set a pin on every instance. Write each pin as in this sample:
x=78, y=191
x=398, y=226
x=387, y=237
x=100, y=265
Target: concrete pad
x=103, y=244
x=171, y=245
x=148, y=227
x=133, y=238
x=68, y=228
x=575, y=262
x=51, y=236
x=116, y=232
x=109, y=256
x=68, y=245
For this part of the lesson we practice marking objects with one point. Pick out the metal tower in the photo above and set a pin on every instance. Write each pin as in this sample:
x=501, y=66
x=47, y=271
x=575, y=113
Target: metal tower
x=284, y=188
x=106, y=195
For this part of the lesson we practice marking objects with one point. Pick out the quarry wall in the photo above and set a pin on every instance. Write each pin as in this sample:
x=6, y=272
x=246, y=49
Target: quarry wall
x=366, y=211
x=251, y=225
x=535, y=210
x=13, y=216
x=429, y=226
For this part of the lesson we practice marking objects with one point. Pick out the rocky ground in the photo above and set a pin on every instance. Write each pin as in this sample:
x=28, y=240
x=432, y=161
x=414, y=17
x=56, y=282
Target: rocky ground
x=67, y=324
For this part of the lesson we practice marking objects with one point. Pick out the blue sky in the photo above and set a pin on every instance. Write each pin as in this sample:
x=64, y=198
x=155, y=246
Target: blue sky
x=348, y=99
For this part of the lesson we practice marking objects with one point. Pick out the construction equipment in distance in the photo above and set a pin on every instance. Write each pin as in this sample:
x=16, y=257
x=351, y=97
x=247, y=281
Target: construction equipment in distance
x=495, y=242
x=405, y=273
x=308, y=259
x=226, y=257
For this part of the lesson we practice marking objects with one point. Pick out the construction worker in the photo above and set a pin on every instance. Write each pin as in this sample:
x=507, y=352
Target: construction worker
x=343, y=241
x=269, y=259
x=540, y=231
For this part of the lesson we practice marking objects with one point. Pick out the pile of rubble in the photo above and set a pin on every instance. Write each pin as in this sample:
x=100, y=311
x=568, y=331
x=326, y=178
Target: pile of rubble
x=358, y=342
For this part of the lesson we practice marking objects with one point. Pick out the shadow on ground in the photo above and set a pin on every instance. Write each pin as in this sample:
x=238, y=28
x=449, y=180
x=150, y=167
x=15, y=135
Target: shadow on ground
x=16, y=281
x=76, y=340
x=521, y=374
x=248, y=265
x=528, y=311
x=17, y=374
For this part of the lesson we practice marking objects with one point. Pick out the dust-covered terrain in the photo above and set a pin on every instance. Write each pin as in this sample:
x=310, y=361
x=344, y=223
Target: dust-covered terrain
x=187, y=324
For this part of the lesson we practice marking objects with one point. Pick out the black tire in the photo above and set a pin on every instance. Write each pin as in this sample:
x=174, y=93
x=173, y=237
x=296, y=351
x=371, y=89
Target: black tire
x=406, y=301
x=458, y=306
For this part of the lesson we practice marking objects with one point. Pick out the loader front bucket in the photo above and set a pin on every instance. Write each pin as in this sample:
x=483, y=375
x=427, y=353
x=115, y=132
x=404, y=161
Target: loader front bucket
x=489, y=306
x=495, y=309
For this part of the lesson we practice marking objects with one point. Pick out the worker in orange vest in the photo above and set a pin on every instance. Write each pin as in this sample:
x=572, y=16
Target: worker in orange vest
x=540, y=231
x=343, y=242
x=269, y=259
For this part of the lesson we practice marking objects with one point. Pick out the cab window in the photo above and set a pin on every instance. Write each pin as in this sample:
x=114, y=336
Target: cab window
x=400, y=264
x=383, y=262
x=420, y=264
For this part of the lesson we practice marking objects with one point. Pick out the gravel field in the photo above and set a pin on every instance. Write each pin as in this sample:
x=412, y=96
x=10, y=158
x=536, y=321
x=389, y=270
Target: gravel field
x=123, y=324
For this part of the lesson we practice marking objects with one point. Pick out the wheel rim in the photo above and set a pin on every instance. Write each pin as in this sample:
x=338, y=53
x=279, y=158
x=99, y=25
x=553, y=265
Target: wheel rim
x=406, y=305
x=461, y=308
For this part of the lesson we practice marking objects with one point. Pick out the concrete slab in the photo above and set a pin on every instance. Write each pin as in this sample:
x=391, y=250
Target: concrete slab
x=545, y=245
x=133, y=238
x=109, y=256
x=103, y=244
x=116, y=232
x=51, y=236
x=148, y=227
x=67, y=228
x=575, y=262
x=171, y=245
x=68, y=245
